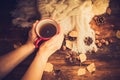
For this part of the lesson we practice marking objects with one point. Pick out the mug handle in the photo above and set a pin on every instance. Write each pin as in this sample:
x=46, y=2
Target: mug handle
x=37, y=42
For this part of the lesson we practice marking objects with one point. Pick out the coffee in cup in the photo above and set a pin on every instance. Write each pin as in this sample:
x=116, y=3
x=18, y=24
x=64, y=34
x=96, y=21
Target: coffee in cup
x=45, y=29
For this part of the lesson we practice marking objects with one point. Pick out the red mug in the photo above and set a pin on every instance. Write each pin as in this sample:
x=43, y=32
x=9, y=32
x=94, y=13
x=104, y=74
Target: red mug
x=45, y=29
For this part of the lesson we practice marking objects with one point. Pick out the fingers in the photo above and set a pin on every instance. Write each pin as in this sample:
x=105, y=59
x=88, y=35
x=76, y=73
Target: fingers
x=56, y=40
x=53, y=44
x=33, y=28
x=59, y=36
x=32, y=33
x=34, y=25
x=36, y=22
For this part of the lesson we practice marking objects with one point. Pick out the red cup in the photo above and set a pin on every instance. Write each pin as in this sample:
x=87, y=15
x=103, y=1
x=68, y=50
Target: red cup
x=45, y=29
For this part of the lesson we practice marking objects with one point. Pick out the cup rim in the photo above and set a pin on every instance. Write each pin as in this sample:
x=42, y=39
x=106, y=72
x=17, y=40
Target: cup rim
x=58, y=27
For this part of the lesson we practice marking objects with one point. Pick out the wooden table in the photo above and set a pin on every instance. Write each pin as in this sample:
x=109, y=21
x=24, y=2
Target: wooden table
x=107, y=61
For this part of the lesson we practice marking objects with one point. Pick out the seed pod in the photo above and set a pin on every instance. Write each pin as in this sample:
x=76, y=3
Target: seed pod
x=88, y=41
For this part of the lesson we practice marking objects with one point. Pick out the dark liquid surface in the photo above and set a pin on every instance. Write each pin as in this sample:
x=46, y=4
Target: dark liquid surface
x=48, y=30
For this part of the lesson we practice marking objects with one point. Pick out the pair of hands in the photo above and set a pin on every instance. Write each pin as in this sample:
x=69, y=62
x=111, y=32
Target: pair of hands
x=48, y=47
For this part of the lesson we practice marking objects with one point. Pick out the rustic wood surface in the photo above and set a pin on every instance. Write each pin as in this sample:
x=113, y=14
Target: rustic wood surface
x=107, y=59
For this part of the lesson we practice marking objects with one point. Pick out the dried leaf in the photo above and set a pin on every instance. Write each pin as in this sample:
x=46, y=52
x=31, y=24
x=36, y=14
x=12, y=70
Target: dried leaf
x=69, y=44
x=49, y=67
x=91, y=68
x=73, y=34
x=83, y=57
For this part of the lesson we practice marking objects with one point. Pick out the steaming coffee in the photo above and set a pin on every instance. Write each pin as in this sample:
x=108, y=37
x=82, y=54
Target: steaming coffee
x=47, y=30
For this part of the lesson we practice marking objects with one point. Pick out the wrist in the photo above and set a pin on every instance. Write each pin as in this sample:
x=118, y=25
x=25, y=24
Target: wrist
x=42, y=57
x=30, y=45
x=46, y=54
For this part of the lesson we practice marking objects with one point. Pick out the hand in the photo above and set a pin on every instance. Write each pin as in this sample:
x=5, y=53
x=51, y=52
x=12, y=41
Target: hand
x=32, y=35
x=49, y=47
